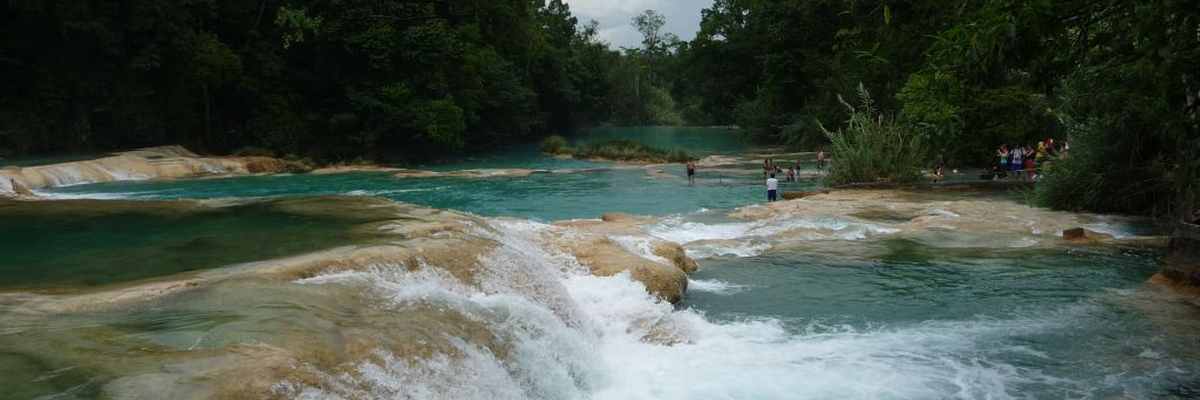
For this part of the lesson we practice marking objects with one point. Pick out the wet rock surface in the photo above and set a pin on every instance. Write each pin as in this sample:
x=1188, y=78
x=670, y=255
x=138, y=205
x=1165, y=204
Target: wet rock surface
x=1182, y=264
x=167, y=162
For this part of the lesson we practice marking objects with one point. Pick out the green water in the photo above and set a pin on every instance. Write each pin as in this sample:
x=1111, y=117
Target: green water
x=63, y=245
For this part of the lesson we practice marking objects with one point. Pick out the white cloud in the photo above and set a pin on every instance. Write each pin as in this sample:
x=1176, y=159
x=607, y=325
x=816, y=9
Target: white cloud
x=614, y=16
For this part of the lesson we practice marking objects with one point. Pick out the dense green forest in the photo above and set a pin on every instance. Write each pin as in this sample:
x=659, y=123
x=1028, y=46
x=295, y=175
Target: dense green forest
x=1118, y=79
x=331, y=80
x=401, y=80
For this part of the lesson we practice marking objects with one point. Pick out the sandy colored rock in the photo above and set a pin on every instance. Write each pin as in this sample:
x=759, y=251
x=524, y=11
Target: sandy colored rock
x=606, y=258
x=618, y=218
x=342, y=169
x=1075, y=234
x=962, y=218
x=472, y=173
x=677, y=255
x=167, y=162
x=801, y=195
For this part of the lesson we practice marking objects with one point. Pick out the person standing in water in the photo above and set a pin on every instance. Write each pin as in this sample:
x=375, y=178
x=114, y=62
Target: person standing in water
x=772, y=188
x=820, y=160
x=691, y=172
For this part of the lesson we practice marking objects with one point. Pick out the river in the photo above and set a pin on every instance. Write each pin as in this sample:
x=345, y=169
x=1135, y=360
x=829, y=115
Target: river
x=871, y=295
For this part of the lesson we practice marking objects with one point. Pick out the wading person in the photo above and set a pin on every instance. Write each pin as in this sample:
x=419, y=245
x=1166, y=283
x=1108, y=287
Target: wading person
x=820, y=160
x=691, y=172
x=772, y=188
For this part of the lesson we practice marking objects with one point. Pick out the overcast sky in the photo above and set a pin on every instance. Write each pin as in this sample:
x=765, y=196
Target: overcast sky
x=683, y=17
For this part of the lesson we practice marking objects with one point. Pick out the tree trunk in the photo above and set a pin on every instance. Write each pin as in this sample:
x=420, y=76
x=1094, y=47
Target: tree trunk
x=207, y=117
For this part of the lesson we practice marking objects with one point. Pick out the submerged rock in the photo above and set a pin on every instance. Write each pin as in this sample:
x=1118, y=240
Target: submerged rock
x=1075, y=234
x=801, y=195
x=472, y=173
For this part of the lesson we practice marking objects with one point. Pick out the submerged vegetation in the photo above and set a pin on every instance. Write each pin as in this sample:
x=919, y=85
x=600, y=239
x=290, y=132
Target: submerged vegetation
x=615, y=150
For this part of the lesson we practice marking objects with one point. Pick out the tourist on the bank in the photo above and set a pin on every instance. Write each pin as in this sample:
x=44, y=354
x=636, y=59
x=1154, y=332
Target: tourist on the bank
x=1030, y=164
x=1003, y=153
x=1018, y=161
x=691, y=172
x=772, y=188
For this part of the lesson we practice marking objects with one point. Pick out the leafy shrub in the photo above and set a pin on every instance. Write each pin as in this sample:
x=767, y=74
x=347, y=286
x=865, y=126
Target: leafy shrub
x=874, y=147
x=251, y=151
x=555, y=145
x=628, y=150
x=1131, y=151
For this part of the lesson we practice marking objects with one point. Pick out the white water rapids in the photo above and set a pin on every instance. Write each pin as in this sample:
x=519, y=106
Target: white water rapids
x=576, y=336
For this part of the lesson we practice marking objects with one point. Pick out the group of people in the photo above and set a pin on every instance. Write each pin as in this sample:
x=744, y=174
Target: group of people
x=792, y=174
x=771, y=169
x=1027, y=162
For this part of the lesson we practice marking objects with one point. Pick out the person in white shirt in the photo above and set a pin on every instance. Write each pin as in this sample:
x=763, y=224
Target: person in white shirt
x=772, y=188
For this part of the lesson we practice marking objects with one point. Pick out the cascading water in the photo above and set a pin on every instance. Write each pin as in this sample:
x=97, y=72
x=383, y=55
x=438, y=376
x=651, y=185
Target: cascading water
x=855, y=294
x=571, y=335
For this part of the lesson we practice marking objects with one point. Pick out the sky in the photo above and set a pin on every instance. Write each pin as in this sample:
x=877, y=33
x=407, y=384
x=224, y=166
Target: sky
x=615, y=16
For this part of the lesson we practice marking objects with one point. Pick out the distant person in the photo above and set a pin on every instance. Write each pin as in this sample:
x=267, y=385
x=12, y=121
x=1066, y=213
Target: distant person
x=772, y=188
x=791, y=174
x=939, y=170
x=691, y=172
x=820, y=160
x=1003, y=153
x=767, y=167
x=1030, y=164
x=1018, y=161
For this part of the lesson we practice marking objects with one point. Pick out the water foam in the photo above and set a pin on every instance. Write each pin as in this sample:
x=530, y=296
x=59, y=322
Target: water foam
x=748, y=239
x=577, y=336
x=714, y=286
x=388, y=192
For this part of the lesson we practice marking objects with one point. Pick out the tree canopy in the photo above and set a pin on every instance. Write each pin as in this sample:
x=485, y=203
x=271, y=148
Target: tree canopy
x=401, y=80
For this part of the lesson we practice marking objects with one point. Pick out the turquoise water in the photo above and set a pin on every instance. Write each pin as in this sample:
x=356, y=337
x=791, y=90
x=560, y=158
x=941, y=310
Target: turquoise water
x=545, y=197
x=1071, y=322
x=868, y=318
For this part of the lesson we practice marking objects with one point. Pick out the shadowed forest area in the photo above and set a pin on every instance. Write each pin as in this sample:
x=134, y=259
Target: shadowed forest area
x=402, y=81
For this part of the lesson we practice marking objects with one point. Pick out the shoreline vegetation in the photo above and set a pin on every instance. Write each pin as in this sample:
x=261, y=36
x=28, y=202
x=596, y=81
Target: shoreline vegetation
x=432, y=81
x=614, y=150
